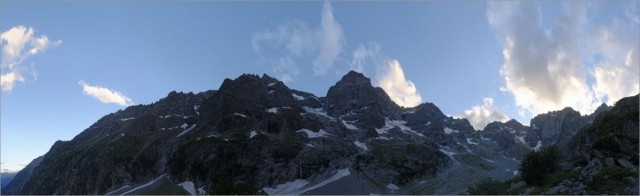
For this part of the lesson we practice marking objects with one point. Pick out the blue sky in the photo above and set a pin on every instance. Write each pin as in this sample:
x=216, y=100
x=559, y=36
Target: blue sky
x=473, y=59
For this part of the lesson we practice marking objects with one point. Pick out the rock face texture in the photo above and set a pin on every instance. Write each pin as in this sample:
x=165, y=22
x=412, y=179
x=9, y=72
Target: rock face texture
x=613, y=134
x=254, y=135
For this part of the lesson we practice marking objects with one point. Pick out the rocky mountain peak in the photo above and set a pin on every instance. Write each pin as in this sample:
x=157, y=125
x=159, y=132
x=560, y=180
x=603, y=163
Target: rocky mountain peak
x=602, y=108
x=354, y=92
x=354, y=78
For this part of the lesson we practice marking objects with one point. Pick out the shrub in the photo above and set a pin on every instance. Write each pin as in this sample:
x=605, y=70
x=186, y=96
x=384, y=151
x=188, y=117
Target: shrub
x=537, y=166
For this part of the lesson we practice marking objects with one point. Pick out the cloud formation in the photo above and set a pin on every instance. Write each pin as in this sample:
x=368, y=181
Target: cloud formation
x=481, y=115
x=295, y=41
x=401, y=90
x=389, y=74
x=105, y=95
x=547, y=69
x=18, y=44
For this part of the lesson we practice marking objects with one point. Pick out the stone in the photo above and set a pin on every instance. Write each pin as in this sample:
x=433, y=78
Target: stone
x=610, y=161
x=578, y=189
x=591, y=170
x=556, y=190
x=629, y=180
x=626, y=164
x=517, y=185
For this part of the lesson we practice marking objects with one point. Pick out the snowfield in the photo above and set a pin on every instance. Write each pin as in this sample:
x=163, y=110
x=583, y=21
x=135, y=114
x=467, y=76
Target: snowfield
x=448, y=130
x=312, y=134
x=189, y=187
x=300, y=186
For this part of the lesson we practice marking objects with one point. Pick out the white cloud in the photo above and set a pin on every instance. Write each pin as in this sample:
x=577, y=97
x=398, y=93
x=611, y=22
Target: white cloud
x=617, y=74
x=331, y=40
x=286, y=68
x=546, y=69
x=295, y=41
x=481, y=115
x=399, y=89
x=367, y=55
x=388, y=72
x=18, y=44
x=8, y=79
x=105, y=95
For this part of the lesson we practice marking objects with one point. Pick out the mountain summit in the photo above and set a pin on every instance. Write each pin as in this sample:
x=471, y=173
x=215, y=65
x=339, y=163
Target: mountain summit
x=255, y=135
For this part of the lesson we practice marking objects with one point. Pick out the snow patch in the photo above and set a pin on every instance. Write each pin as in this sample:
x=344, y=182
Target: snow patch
x=189, y=187
x=392, y=186
x=126, y=119
x=448, y=130
x=201, y=191
x=184, y=126
x=390, y=124
x=515, y=172
x=187, y=130
x=299, y=186
x=537, y=147
x=145, y=185
x=349, y=125
x=297, y=97
x=121, y=134
x=271, y=91
x=253, y=134
x=521, y=139
x=195, y=108
x=318, y=112
x=360, y=145
x=312, y=134
x=271, y=84
x=471, y=142
x=272, y=110
x=238, y=114
x=449, y=153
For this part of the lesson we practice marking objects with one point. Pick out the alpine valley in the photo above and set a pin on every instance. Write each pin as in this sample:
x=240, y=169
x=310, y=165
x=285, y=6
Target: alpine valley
x=254, y=135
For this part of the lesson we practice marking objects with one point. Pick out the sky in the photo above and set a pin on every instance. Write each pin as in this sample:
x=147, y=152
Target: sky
x=66, y=64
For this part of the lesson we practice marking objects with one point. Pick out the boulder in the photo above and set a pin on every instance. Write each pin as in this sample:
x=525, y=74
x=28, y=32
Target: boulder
x=517, y=185
x=626, y=164
x=610, y=162
x=591, y=170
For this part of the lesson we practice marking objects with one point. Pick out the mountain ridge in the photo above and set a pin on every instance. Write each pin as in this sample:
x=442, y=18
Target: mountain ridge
x=270, y=136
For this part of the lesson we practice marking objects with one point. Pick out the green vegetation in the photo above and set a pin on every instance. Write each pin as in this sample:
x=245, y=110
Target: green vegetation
x=476, y=161
x=536, y=167
x=610, y=180
x=488, y=186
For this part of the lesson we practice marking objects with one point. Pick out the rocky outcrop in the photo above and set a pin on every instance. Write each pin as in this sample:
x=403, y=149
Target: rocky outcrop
x=353, y=95
x=614, y=134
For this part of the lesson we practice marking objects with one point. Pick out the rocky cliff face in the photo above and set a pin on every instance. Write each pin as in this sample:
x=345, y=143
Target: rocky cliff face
x=255, y=135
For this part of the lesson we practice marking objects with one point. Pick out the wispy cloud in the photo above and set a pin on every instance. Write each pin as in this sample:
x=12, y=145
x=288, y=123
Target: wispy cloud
x=105, y=95
x=544, y=69
x=481, y=115
x=294, y=41
x=19, y=44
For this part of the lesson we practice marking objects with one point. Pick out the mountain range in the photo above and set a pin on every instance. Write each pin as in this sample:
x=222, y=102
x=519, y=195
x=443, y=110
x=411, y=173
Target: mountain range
x=255, y=135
